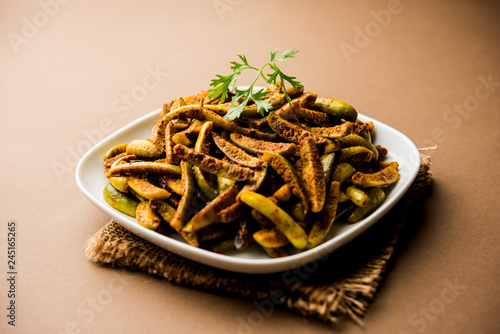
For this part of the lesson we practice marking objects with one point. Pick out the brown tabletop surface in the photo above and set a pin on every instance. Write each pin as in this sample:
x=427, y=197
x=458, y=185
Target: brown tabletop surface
x=73, y=72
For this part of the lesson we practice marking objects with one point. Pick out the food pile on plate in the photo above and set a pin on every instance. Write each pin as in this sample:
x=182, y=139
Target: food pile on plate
x=280, y=180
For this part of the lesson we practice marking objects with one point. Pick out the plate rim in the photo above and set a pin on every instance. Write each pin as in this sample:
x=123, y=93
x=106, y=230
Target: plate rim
x=240, y=264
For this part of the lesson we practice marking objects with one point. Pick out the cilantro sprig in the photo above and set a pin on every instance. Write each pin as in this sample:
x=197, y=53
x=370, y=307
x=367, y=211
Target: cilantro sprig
x=222, y=84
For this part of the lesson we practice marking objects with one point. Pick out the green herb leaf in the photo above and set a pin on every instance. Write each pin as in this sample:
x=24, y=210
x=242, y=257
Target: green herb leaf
x=222, y=83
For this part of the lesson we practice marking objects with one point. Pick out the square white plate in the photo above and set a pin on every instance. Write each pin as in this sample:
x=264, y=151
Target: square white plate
x=91, y=181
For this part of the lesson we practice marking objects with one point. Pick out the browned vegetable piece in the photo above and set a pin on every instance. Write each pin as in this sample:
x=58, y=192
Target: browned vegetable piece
x=355, y=154
x=289, y=131
x=384, y=177
x=271, y=238
x=146, y=217
x=289, y=112
x=158, y=132
x=307, y=100
x=235, y=153
x=333, y=132
x=362, y=129
x=146, y=189
x=283, y=167
x=322, y=226
x=260, y=146
x=232, y=126
x=184, y=210
x=208, y=214
x=231, y=213
x=170, y=157
x=213, y=165
x=312, y=174
x=143, y=167
x=382, y=151
x=313, y=116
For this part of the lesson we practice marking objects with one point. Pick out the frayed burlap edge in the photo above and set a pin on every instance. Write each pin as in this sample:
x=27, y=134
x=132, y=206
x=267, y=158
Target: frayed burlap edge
x=331, y=290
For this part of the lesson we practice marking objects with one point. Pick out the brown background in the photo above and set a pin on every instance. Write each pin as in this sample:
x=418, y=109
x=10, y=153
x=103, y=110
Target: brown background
x=62, y=83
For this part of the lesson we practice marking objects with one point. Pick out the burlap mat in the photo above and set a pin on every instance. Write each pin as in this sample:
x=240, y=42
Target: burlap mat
x=340, y=285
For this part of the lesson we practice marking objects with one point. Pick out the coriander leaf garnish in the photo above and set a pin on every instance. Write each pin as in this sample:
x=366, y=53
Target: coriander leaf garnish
x=222, y=83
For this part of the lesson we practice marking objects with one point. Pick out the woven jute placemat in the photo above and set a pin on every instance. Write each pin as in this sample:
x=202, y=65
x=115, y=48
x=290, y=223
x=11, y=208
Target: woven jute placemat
x=340, y=285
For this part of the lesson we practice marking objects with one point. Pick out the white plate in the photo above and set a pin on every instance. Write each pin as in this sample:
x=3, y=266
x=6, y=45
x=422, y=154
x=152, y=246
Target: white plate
x=91, y=181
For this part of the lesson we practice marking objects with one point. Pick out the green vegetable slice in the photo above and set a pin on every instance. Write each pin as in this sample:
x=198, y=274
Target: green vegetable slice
x=144, y=148
x=336, y=107
x=120, y=201
x=355, y=140
x=118, y=149
x=293, y=232
x=377, y=196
